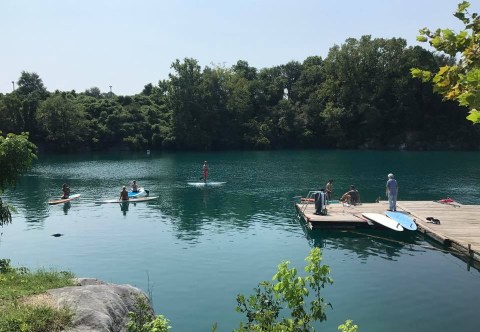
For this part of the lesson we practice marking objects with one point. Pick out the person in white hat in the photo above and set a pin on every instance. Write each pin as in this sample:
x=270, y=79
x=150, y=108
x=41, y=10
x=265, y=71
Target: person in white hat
x=391, y=191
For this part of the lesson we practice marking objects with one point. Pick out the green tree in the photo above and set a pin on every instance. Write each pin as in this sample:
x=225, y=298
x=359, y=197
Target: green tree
x=16, y=156
x=185, y=101
x=461, y=80
x=62, y=120
x=288, y=291
x=11, y=116
x=31, y=92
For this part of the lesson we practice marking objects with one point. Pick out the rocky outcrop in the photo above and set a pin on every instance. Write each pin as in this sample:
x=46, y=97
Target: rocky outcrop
x=98, y=306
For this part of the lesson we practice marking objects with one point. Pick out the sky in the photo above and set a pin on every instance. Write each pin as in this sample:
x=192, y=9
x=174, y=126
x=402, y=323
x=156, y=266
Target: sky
x=79, y=44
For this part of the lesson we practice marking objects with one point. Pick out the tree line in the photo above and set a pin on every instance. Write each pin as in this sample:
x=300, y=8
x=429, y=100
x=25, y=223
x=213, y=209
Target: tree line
x=361, y=95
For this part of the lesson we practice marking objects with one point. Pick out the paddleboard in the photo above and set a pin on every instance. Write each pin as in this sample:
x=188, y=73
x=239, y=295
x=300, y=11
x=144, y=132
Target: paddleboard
x=131, y=200
x=403, y=219
x=63, y=200
x=384, y=221
x=206, y=184
x=140, y=193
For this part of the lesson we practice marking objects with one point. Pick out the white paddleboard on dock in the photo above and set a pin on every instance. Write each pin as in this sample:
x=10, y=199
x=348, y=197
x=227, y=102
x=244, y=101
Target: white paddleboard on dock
x=384, y=221
x=403, y=219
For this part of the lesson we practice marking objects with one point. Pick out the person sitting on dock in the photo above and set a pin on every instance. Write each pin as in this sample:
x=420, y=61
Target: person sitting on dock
x=351, y=197
x=124, y=194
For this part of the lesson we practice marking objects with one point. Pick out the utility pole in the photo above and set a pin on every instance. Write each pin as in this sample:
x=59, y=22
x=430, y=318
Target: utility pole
x=13, y=85
x=110, y=90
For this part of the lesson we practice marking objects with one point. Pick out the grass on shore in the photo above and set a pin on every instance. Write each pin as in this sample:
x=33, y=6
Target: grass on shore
x=24, y=304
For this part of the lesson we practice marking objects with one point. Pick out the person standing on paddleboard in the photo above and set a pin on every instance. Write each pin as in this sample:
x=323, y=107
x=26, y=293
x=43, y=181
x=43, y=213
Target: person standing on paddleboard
x=391, y=191
x=66, y=191
x=205, y=171
x=124, y=194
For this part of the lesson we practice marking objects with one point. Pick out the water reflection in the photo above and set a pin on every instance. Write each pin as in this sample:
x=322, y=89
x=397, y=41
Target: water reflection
x=364, y=243
x=66, y=207
x=124, y=207
x=31, y=199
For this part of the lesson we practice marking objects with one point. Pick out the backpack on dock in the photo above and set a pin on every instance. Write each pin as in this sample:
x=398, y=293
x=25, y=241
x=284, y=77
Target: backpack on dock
x=320, y=203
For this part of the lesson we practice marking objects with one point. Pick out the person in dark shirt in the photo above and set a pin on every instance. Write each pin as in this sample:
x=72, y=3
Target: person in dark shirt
x=329, y=189
x=352, y=196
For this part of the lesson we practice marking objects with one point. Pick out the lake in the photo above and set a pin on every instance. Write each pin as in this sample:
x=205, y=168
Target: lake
x=194, y=249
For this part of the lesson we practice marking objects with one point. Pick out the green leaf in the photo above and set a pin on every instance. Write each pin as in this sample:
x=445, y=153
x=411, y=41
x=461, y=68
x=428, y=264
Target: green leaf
x=463, y=6
x=473, y=78
x=474, y=116
x=422, y=39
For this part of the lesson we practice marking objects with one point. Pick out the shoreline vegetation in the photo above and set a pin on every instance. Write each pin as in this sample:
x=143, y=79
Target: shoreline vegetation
x=24, y=306
x=360, y=96
x=289, y=302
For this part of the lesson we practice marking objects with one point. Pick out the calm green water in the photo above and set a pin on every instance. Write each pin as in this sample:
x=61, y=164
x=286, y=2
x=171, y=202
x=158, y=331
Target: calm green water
x=196, y=249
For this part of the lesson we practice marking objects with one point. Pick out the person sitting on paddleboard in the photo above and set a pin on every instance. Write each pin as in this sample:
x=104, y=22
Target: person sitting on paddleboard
x=205, y=171
x=66, y=191
x=124, y=194
x=134, y=187
x=352, y=196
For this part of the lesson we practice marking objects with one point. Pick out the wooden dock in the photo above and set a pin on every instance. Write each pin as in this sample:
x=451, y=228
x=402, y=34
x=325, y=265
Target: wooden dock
x=459, y=226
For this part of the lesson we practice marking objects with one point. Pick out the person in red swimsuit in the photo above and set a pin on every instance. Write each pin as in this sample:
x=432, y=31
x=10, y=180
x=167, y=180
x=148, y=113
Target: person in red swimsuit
x=205, y=171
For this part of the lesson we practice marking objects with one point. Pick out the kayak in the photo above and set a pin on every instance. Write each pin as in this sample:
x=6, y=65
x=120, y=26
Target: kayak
x=140, y=193
x=63, y=200
x=131, y=200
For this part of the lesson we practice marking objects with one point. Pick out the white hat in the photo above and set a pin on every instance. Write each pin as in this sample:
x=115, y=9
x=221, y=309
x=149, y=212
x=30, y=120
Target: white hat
x=390, y=176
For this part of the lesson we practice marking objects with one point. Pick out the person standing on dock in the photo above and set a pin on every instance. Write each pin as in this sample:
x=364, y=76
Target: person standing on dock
x=391, y=191
x=329, y=189
x=205, y=171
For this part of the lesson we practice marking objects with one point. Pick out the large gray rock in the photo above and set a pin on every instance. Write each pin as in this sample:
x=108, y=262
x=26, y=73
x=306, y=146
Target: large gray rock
x=98, y=306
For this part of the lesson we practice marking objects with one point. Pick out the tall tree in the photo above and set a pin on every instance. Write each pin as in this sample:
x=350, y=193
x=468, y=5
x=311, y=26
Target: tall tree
x=62, y=120
x=31, y=91
x=460, y=81
x=11, y=116
x=16, y=156
x=186, y=104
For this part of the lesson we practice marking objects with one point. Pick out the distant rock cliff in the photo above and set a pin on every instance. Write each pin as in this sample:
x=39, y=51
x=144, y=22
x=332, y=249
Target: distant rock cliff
x=98, y=306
